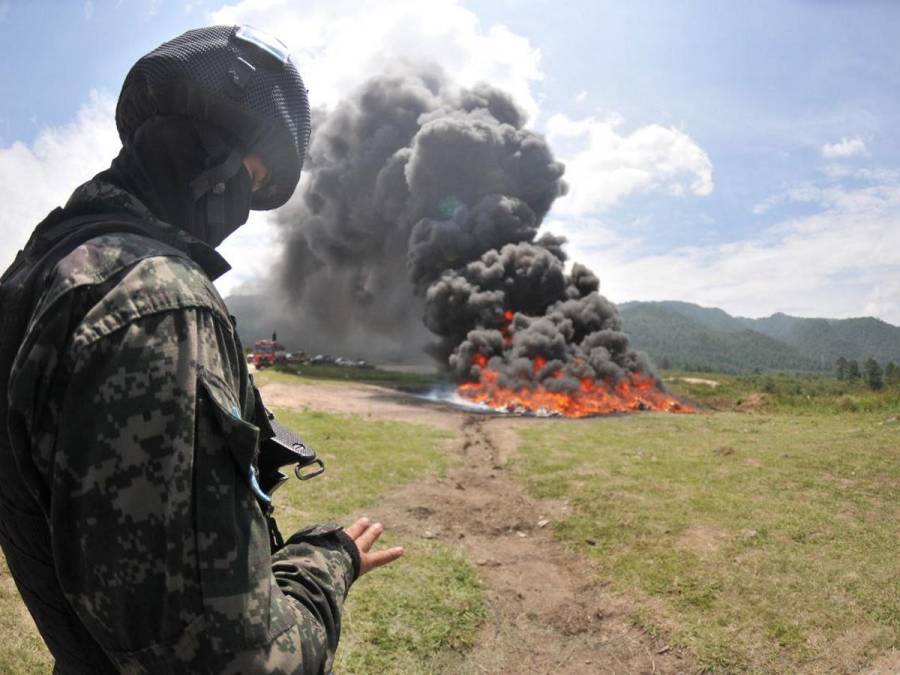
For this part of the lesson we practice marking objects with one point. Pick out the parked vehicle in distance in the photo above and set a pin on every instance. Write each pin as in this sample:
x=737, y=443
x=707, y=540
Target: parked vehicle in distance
x=267, y=353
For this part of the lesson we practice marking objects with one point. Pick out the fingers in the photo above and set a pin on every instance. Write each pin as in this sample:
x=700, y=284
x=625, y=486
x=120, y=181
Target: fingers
x=379, y=558
x=364, y=533
x=357, y=528
x=369, y=537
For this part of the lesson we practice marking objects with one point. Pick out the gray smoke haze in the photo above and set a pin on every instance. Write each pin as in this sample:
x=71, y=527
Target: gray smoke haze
x=416, y=228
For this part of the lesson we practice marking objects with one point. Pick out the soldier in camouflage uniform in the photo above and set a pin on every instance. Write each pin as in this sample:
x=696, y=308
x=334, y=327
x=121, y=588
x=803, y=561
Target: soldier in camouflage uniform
x=130, y=422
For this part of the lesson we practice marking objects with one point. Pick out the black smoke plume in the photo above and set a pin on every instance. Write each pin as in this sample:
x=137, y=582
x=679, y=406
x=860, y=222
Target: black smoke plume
x=423, y=201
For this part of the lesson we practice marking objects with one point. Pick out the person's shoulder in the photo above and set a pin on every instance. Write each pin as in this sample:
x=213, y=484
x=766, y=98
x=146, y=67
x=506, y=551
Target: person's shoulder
x=96, y=261
x=127, y=277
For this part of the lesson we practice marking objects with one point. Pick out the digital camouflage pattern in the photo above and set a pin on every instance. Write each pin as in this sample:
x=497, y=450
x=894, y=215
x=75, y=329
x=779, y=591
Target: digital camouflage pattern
x=129, y=406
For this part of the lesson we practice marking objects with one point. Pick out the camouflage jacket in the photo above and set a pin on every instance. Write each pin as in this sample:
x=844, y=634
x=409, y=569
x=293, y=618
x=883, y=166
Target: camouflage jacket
x=131, y=397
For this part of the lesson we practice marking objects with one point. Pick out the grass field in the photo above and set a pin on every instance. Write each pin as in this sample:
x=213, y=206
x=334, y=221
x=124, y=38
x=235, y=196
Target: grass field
x=363, y=459
x=760, y=535
x=21, y=647
x=391, y=626
x=782, y=392
x=408, y=616
x=761, y=542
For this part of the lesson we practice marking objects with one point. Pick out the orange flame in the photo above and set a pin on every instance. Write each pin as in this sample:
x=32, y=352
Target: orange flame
x=593, y=397
x=504, y=329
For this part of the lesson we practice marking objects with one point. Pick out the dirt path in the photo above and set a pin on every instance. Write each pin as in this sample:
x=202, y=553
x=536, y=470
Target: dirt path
x=548, y=612
x=367, y=401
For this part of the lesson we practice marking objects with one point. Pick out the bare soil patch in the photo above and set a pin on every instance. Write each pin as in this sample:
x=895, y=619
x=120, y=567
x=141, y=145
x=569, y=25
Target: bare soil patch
x=889, y=664
x=753, y=403
x=365, y=400
x=703, y=539
x=696, y=380
x=548, y=610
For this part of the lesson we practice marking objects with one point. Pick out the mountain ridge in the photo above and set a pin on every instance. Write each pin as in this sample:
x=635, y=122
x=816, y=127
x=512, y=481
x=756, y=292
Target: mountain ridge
x=686, y=335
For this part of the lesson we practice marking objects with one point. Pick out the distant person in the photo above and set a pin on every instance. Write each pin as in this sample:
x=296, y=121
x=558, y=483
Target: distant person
x=131, y=514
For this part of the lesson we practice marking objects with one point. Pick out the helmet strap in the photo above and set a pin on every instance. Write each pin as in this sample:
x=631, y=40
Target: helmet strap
x=212, y=182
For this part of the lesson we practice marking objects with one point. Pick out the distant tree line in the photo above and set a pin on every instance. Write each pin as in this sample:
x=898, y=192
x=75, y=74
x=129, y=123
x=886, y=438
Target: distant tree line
x=871, y=373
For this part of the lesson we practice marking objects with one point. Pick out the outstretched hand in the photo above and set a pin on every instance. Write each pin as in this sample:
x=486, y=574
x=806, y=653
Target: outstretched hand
x=364, y=534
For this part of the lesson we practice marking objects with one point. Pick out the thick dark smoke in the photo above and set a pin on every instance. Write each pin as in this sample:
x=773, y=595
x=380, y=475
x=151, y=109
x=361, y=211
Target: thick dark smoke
x=423, y=200
x=558, y=318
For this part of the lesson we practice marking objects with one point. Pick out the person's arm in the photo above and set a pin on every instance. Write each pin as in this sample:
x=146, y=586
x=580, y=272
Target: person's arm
x=158, y=540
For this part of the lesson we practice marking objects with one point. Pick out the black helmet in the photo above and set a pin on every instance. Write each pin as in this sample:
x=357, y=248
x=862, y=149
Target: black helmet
x=237, y=79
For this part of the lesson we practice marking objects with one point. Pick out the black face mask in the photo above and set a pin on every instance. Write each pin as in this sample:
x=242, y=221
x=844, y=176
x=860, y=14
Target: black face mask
x=188, y=176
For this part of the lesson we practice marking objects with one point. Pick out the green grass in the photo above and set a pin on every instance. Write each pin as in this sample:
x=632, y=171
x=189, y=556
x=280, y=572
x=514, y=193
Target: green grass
x=363, y=460
x=22, y=650
x=784, y=392
x=761, y=543
x=311, y=374
x=404, y=617
x=397, y=619
x=392, y=624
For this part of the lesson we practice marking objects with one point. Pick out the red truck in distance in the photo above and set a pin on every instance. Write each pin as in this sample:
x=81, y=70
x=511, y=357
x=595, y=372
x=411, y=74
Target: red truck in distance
x=267, y=353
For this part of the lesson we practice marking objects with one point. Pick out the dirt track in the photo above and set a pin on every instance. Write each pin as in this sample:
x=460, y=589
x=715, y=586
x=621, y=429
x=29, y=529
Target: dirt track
x=548, y=611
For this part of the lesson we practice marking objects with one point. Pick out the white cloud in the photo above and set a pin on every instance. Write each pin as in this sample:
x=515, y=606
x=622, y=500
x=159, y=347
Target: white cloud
x=871, y=174
x=41, y=176
x=581, y=96
x=252, y=251
x=842, y=261
x=846, y=147
x=883, y=301
x=604, y=166
x=339, y=43
x=803, y=194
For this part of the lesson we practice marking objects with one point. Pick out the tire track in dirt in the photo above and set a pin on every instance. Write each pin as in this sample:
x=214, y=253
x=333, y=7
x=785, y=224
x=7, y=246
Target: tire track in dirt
x=548, y=611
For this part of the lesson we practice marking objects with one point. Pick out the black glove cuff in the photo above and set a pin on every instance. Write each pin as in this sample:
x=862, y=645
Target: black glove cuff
x=353, y=550
x=310, y=534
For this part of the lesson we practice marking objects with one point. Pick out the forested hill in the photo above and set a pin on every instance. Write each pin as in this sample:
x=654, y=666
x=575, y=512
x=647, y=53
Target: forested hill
x=684, y=335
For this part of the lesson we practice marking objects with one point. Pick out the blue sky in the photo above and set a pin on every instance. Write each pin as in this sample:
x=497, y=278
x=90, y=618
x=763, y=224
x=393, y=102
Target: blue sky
x=726, y=153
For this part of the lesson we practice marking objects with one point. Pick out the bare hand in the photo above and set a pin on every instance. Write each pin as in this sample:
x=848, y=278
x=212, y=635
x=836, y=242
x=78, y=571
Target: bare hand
x=364, y=534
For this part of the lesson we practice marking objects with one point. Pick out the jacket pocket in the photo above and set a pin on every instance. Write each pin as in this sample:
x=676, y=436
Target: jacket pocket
x=243, y=604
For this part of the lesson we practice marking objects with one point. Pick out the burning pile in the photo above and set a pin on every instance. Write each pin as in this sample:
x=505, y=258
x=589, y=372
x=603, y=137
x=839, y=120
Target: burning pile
x=637, y=392
x=426, y=199
x=530, y=338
